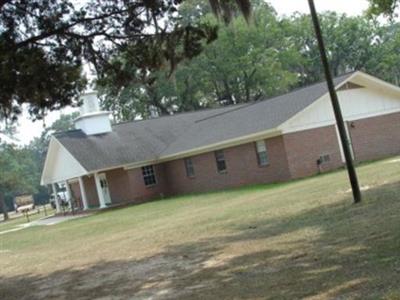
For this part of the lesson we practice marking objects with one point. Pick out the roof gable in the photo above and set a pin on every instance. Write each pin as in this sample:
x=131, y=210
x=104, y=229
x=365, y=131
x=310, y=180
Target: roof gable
x=60, y=165
x=360, y=96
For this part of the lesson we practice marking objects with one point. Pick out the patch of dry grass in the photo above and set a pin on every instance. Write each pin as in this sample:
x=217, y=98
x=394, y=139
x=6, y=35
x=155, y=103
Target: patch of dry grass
x=303, y=239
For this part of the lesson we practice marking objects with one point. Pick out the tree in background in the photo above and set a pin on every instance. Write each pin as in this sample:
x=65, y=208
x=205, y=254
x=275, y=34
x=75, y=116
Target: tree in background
x=386, y=7
x=17, y=168
x=21, y=167
x=248, y=62
x=350, y=46
x=38, y=150
x=43, y=45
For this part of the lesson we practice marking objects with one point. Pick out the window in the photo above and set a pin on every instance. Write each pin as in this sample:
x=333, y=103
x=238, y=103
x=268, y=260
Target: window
x=325, y=158
x=262, y=154
x=220, y=159
x=149, y=175
x=189, y=167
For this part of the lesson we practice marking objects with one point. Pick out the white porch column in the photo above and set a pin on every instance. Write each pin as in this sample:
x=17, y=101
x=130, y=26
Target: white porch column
x=99, y=191
x=69, y=194
x=83, y=193
x=58, y=207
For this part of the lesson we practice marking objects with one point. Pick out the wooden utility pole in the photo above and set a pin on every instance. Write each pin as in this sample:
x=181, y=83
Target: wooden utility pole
x=336, y=106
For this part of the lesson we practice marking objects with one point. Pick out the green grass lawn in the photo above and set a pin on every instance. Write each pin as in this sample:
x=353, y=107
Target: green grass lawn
x=304, y=239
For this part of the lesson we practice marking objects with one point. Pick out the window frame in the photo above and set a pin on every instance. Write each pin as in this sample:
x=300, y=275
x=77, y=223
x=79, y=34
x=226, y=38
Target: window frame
x=189, y=167
x=220, y=159
x=149, y=172
x=260, y=160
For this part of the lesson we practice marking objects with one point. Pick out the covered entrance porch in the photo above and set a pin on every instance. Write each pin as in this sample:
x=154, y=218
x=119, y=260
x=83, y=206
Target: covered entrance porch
x=82, y=193
x=71, y=183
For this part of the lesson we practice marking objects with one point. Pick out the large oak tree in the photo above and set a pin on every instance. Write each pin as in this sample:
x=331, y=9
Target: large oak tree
x=44, y=43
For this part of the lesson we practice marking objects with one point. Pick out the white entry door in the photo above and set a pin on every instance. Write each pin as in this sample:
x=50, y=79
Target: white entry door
x=104, y=188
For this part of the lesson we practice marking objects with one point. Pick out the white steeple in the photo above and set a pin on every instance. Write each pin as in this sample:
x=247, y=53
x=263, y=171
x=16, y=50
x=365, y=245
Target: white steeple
x=92, y=120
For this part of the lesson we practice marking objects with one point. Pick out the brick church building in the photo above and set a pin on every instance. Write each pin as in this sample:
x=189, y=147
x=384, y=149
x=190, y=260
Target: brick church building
x=275, y=140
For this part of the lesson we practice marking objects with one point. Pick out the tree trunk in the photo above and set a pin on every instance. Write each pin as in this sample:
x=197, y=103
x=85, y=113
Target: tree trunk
x=247, y=81
x=156, y=101
x=228, y=93
x=3, y=207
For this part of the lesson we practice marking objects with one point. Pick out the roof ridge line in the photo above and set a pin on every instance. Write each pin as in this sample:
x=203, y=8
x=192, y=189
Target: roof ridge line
x=177, y=114
x=272, y=98
x=240, y=106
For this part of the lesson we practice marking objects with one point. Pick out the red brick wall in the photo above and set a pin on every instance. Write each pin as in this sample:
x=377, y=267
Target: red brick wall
x=376, y=137
x=140, y=192
x=303, y=149
x=128, y=185
x=76, y=193
x=242, y=169
x=125, y=186
x=120, y=186
x=91, y=192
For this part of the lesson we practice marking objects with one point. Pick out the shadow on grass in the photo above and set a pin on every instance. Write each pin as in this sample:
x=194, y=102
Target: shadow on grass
x=352, y=252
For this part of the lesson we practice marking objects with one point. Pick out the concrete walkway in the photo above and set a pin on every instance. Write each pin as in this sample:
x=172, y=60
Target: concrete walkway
x=55, y=220
x=44, y=222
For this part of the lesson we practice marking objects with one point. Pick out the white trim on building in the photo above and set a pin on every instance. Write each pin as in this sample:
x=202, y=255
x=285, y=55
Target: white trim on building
x=60, y=165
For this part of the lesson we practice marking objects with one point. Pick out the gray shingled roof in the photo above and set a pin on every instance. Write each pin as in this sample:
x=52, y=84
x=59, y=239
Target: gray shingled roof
x=148, y=140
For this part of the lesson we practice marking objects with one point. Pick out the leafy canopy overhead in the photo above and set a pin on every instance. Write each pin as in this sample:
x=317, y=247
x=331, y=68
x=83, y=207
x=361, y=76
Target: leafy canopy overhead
x=251, y=61
x=44, y=44
x=245, y=63
x=386, y=7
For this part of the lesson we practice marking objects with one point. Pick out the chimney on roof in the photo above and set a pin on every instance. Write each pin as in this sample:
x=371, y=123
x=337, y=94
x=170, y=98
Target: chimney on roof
x=92, y=120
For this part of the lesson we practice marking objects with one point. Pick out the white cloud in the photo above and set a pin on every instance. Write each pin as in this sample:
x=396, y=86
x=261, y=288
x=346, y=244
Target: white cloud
x=27, y=129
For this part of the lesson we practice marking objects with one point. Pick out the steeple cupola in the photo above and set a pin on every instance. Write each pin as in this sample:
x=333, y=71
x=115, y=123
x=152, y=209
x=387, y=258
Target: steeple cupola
x=92, y=120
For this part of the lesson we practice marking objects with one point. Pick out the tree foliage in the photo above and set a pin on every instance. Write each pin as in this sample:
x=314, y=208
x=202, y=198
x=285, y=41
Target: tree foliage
x=247, y=62
x=350, y=42
x=44, y=43
x=40, y=62
x=21, y=167
x=244, y=64
x=17, y=168
x=385, y=7
x=253, y=61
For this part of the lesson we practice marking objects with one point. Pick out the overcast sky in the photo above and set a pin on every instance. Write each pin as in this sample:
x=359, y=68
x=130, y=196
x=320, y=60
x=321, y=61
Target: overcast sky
x=27, y=129
x=350, y=7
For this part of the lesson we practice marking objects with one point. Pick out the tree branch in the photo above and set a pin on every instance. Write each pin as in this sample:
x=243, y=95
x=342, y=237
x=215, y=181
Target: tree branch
x=65, y=28
x=3, y=2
